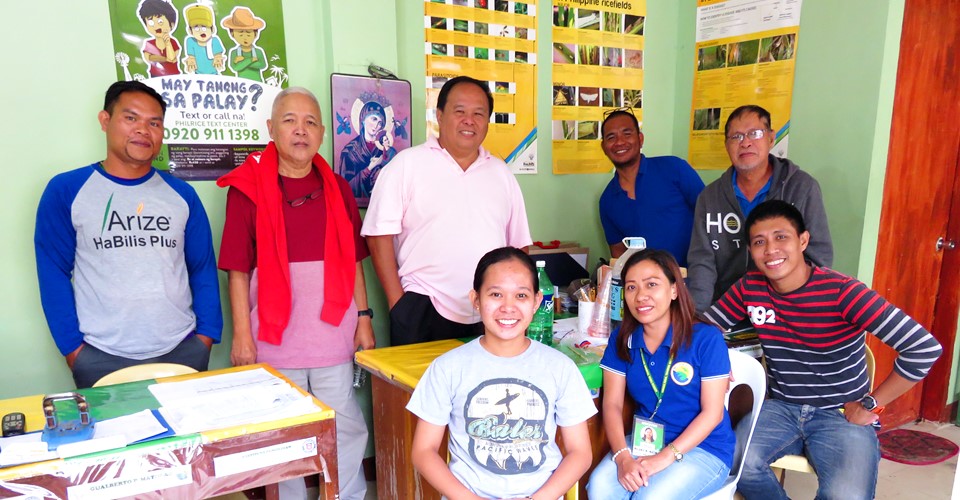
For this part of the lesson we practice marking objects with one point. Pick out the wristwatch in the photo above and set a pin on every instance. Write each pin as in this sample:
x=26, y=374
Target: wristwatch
x=676, y=452
x=869, y=403
x=365, y=312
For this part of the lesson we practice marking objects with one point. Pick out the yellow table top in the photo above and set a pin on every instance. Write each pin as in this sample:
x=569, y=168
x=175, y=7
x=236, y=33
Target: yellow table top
x=30, y=406
x=404, y=364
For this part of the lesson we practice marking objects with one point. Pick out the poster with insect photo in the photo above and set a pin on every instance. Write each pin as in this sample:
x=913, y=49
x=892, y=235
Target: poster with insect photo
x=597, y=67
x=218, y=64
x=371, y=125
x=493, y=41
x=745, y=54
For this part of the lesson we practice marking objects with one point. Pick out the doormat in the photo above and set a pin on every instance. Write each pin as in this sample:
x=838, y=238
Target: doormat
x=915, y=447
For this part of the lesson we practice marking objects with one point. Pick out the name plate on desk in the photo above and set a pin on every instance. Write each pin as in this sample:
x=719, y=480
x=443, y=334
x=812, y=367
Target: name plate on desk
x=133, y=484
x=259, y=458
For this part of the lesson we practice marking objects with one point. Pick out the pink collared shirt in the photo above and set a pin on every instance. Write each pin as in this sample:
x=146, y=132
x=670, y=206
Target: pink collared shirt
x=443, y=219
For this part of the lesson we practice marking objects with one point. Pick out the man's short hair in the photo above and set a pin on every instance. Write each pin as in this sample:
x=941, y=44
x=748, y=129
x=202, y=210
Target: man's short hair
x=453, y=82
x=156, y=8
x=742, y=110
x=290, y=91
x=614, y=114
x=119, y=88
x=776, y=208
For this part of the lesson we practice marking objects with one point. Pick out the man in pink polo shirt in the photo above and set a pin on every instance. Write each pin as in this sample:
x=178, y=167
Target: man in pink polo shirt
x=436, y=209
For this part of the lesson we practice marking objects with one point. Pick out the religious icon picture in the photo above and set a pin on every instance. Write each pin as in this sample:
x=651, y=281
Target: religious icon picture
x=371, y=124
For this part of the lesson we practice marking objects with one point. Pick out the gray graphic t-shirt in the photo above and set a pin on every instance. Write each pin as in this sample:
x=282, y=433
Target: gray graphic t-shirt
x=502, y=414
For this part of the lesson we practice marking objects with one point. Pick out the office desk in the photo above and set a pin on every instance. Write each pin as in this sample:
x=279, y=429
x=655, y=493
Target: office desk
x=180, y=467
x=396, y=373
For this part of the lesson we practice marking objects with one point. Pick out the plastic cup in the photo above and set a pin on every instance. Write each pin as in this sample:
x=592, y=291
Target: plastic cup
x=584, y=315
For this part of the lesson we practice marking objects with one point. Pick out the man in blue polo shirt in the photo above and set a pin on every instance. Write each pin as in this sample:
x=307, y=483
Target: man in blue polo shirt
x=649, y=197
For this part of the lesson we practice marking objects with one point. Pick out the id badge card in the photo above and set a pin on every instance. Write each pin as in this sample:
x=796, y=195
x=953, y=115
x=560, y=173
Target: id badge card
x=647, y=437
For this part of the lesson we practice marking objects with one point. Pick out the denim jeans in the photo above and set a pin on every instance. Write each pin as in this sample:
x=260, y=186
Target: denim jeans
x=699, y=474
x=845, y=456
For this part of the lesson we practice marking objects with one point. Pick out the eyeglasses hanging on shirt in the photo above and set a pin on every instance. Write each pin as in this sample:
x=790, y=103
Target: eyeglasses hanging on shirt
x=303, y=199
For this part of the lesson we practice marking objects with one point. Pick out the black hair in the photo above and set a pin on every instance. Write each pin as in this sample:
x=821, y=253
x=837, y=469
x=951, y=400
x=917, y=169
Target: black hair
x=501, y=255
x=748, y=108
x=119, y=88
x=776, y=208
x=683, y=314
x=614, y=114
x=155, y=8
x=453, y=82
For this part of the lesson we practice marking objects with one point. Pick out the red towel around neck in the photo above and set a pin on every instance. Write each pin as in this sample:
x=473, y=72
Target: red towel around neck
x=257, y=179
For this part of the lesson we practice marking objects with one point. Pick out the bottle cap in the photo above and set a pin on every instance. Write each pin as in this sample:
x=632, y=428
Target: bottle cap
x=541, y=263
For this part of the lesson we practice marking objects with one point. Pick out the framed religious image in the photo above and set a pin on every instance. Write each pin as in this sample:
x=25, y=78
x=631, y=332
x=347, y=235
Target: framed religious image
x=371, y=124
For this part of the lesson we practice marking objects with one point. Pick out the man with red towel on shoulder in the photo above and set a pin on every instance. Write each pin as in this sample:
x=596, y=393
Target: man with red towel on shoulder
x=293, y=251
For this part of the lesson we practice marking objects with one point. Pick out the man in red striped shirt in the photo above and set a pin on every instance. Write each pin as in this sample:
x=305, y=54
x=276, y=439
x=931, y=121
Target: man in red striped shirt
x=812, y=322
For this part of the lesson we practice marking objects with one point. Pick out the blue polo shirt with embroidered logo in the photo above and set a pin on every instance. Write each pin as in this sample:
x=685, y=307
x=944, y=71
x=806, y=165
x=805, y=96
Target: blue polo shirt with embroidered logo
x=705, y=359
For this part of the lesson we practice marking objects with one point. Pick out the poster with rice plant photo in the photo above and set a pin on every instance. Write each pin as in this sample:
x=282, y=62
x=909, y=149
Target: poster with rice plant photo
x=597, y=68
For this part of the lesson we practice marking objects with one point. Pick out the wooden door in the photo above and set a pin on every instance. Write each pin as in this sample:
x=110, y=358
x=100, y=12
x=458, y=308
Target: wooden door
x=934, y=402
x=919, y=191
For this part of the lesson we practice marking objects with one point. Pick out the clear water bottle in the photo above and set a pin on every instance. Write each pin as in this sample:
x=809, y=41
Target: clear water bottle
x=541, y=328
x=359, y=376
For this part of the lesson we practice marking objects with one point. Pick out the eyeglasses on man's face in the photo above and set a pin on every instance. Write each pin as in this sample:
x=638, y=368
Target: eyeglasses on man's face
x=753, y=135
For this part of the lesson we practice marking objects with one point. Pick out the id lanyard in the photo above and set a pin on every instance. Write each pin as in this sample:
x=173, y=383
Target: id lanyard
x=663, y=386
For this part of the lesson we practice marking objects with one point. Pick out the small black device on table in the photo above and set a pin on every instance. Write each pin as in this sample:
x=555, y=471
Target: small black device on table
x=13, y=424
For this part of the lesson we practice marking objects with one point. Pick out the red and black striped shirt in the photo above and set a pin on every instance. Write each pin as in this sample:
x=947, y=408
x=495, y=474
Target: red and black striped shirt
x=813, y=337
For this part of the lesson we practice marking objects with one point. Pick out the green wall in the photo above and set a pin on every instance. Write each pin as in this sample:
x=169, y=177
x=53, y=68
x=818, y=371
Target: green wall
x=843, y=96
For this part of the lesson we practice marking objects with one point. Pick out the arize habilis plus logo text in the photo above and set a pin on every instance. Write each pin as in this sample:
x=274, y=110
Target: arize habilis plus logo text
x=124, y=230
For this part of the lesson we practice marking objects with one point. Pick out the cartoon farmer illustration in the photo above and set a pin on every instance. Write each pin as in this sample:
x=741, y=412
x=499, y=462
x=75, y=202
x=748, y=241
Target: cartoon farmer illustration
x=204, y=52
x=159, y=19
x=246, y=60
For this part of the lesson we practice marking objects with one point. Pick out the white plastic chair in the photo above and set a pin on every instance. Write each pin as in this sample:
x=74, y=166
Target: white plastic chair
x=746, y=371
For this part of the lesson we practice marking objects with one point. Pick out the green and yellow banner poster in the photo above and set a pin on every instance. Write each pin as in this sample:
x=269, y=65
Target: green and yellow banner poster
x=597, y=67
x=746, y=53
x=218, y=65
x=493, y=41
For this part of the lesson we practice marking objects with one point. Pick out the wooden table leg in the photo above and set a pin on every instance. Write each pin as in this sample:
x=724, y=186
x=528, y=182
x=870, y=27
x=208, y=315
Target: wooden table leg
x=329, y=476
x=393, y=436
x=272, y=491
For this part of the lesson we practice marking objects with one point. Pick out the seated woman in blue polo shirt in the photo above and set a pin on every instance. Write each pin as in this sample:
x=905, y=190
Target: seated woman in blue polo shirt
x=676, y=369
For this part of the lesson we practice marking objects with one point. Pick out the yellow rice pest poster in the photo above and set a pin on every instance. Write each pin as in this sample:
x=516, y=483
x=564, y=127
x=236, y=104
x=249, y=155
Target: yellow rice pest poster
x=494, y=41
x=597, y=67
x=745, y=54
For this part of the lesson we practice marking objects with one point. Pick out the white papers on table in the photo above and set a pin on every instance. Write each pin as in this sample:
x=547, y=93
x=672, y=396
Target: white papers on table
x=131, y=428
x=108, y=434
x=170, y=392
x=90, y=446
x=227, y=400
x=22, y=449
